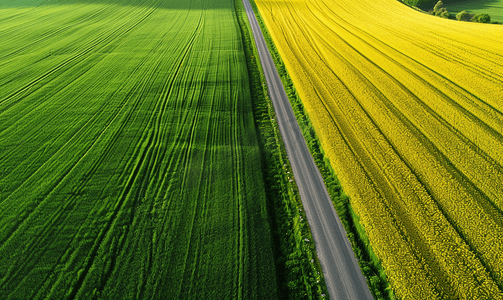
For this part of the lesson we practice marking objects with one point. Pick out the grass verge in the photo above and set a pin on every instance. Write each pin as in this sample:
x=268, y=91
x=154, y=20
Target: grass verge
x=297, y=264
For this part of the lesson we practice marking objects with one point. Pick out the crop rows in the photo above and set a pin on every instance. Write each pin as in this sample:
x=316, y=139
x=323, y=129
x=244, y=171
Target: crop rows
x=128, y=154
x=408, y=110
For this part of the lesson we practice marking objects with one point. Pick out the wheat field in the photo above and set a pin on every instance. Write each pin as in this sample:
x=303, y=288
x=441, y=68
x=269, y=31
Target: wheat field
x=129, y=158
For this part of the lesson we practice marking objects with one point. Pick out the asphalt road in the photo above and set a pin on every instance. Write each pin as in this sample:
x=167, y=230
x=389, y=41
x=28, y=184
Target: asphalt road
x=340, y=268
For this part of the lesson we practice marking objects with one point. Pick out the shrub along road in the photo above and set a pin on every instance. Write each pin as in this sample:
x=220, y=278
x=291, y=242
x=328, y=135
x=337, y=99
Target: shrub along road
x=340, y=268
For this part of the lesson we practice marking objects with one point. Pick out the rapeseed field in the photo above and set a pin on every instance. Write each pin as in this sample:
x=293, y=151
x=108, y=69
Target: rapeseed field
x=408, y=107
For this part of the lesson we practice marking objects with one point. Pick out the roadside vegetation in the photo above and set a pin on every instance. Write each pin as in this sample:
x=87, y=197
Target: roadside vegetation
x=299, y=269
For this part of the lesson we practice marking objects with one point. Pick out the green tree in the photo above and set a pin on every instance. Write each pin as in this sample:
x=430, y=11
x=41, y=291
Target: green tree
x=463, y=16
x=438, y=8
x=481, y=18
x=445, y=14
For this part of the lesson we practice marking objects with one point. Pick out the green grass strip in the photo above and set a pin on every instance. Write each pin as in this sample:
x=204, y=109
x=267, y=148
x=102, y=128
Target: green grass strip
x=297, y=264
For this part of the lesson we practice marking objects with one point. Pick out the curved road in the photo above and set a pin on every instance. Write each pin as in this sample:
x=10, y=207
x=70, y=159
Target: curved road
x=340, y=268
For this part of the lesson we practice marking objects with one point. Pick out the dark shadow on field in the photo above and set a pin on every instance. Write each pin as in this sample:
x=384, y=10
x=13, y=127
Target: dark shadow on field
x=165, y=4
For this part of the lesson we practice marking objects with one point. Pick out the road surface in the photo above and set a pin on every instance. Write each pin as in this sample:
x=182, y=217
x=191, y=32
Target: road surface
x=340, y=268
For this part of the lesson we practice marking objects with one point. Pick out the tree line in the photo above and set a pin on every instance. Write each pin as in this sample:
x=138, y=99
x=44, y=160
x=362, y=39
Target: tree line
x=440, y=10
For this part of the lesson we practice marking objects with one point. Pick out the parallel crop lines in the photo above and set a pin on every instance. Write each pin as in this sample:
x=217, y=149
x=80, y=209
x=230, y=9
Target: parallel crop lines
x=408, y=109
x=128, y=155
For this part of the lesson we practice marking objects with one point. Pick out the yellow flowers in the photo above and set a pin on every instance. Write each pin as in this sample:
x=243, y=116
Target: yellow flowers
x=409, y=109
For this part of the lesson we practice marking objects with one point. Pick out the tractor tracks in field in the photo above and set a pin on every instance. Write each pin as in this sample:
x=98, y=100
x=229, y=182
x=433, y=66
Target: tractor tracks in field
x=41, y=240
x=430, y=144
x=109, y=38
x=141, y=159
x=100, y=41
x=71, y=201
x=437, y=146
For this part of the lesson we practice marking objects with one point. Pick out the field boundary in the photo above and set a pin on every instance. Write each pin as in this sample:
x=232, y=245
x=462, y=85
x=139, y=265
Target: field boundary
x=284, y=203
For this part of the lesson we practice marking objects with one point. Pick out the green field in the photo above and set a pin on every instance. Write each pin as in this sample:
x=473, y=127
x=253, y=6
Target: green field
x=493, y=8
x=128, y=154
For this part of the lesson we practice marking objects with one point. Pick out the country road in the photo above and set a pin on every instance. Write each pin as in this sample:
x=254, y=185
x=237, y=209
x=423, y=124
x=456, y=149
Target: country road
x=342, y=274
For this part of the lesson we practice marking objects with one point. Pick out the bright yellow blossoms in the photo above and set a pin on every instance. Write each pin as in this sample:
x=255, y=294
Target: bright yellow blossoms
x=409, y=109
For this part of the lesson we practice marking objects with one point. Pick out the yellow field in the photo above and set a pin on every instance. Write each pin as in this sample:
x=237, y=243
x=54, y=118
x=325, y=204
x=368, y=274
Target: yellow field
x=409, y=109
